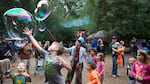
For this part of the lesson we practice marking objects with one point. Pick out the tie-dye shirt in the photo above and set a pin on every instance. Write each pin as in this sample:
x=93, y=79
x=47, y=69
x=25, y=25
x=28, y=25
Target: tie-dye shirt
x=19, y=78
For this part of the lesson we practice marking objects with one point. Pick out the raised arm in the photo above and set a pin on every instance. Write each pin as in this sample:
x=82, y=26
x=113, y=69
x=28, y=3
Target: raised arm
x=85, y=54
x=33, y=40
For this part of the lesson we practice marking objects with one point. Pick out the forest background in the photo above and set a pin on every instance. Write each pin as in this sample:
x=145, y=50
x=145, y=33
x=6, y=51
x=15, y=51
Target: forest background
x=124, y=18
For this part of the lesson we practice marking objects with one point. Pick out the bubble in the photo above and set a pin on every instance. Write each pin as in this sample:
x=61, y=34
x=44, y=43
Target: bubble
x=43, y=10
x=15, y=20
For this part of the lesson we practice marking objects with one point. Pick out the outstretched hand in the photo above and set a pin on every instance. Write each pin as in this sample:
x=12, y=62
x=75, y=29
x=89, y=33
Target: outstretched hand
x=27, y=31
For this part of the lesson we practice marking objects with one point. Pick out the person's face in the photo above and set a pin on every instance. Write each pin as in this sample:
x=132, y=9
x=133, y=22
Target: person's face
x=77, y=43
x=122, y=42
x=98, y=58
x=100, y=41
x=114, y=40
x=133, y=40
x=117, y=44
x=21, y=67
x=47, y=42
x=92, y=52
x=88, y=67
x=131, y=61
x=53, y=46
x=140, y=57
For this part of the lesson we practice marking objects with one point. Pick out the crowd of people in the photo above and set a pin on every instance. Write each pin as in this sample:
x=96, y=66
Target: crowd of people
x=49, y=57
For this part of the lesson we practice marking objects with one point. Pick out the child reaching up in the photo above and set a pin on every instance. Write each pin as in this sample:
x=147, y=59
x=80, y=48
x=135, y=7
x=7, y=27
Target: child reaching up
x=20, y=76
x=93, y=75
x=100, y=66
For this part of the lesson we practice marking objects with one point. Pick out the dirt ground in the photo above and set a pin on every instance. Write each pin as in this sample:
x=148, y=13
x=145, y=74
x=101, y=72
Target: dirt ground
x=39, y=78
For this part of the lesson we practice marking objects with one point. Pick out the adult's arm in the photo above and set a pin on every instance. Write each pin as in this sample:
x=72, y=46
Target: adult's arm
x=68, y=49
x=33, y=40
x=85, y=54
x=66, y=65
x=63, y=63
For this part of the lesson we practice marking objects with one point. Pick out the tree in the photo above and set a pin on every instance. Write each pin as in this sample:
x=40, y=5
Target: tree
x=121, y=17
x=124, y=17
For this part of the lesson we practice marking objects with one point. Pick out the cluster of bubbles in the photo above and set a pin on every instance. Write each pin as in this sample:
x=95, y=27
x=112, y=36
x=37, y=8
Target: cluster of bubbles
x=16, y=19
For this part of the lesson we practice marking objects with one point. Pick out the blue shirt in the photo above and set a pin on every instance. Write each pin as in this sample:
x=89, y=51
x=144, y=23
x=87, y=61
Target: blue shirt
x=94, y=43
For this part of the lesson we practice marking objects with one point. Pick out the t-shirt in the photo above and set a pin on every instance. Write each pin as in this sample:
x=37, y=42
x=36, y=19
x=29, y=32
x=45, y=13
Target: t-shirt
x=90, y=59
x=52, y=69
x=94, y=43
x=138, y=70
x=93, y=76
x=99, y=67
x=19, y=78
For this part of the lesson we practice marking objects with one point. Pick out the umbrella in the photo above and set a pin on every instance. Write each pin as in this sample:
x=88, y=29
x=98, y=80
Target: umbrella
x=100, y=33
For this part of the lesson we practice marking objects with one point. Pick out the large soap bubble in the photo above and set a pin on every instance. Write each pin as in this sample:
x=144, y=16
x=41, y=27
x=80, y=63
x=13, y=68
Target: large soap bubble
x=15, y=20
x=43, y=10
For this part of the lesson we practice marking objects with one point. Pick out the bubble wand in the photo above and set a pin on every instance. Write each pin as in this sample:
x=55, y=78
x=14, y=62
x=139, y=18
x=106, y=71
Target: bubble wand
x=41, y=13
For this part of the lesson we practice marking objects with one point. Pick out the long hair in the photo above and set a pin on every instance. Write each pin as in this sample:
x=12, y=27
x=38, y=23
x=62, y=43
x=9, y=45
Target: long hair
x=60, y=48
x=145, y=55
x=101, y=55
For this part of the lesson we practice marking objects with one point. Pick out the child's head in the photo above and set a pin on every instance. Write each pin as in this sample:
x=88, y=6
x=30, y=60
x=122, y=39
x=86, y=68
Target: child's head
x=142, y=56
x=132, y=60
x=92, y=51
x=91, y=66
x=100, y=57
x=122, y=42
x=21, y=67
x=117, y=44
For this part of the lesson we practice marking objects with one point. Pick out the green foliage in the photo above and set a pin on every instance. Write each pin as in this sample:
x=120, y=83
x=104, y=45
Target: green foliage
x=122, y=17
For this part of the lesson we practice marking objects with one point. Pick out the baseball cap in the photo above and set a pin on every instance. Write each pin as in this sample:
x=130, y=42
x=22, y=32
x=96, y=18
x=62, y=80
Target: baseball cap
x=114, y=37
